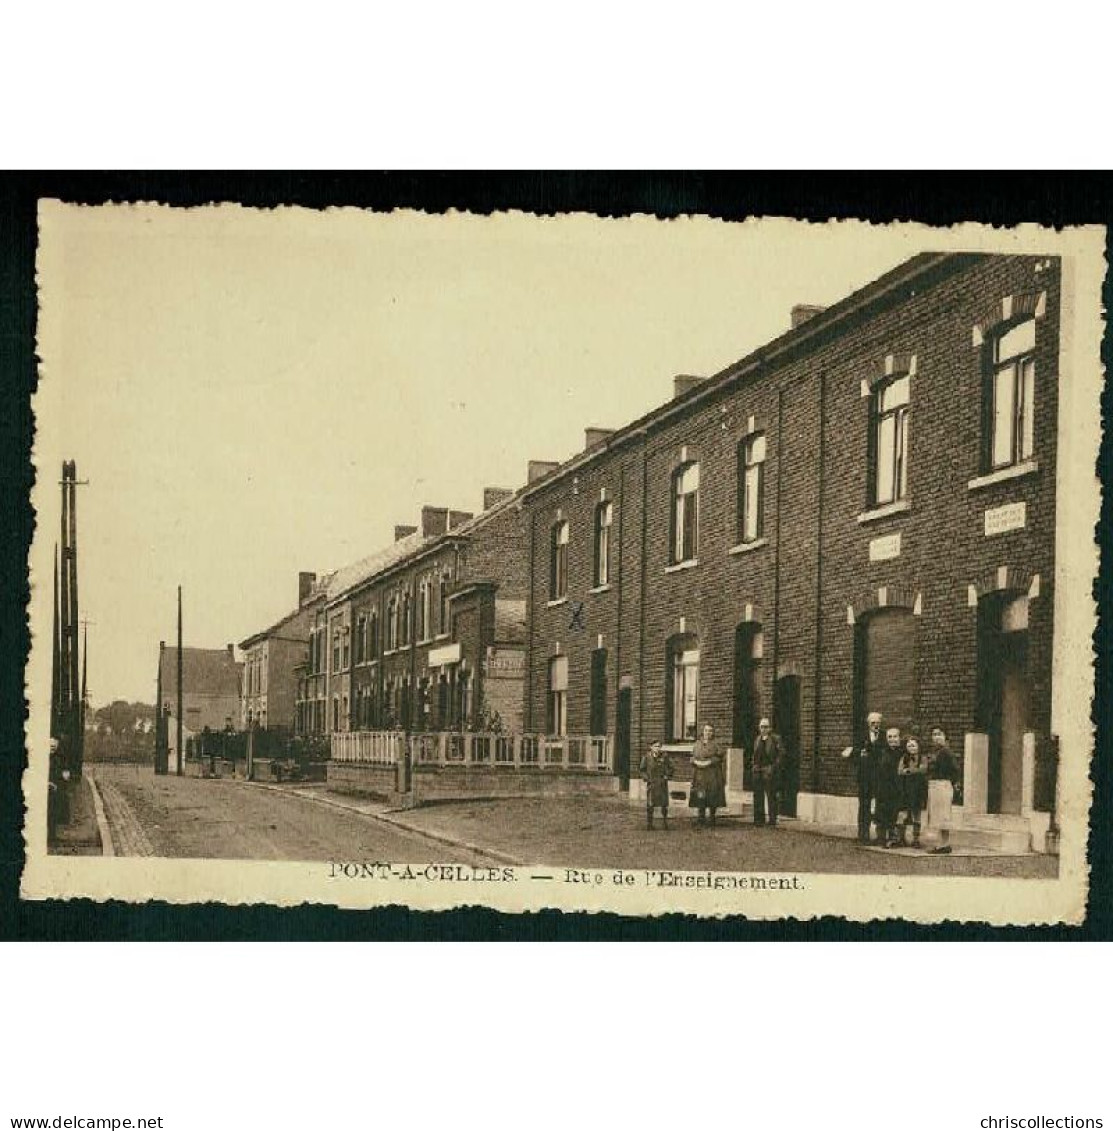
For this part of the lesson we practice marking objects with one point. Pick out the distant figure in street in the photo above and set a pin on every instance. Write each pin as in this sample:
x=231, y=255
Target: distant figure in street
x=708, y=784
x=912, y=772
x=656, y=769
x=942, y=777
x=888, y=788
x=769, y=755
x=867, y=759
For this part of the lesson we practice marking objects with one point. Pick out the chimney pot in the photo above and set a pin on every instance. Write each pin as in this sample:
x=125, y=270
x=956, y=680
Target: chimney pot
x=684, y=383
x=801, y=312
x=305, y=584
x=593, y=436
x=231, y=651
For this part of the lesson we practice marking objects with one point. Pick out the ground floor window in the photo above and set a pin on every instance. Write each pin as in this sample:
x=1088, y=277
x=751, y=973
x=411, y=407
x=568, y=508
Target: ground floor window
x=556, y=720
x=682, y=697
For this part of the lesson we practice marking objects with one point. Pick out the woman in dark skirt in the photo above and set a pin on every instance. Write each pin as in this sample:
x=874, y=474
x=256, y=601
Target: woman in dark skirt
x=912, y=773
x=888, y=789
x=708, y=776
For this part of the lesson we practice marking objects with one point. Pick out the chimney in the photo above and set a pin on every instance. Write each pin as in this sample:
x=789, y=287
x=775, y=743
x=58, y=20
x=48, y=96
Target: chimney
x=458, y=518
x=434, y=521
x=593, y=436
x=305, y=585
x=684, y=383
x=492, y=496
x=539, y=468
x=801, y=313
x=401, y=532
x=231, y=651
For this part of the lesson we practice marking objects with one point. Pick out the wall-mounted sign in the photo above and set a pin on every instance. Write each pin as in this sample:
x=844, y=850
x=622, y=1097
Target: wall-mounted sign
x=885, y=548
x=506, y=663
x=447, y=654
x=1000, y=520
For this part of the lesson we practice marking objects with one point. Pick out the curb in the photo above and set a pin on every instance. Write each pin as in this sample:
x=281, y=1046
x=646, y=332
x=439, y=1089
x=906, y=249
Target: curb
x=107, y=848
x=437, y=838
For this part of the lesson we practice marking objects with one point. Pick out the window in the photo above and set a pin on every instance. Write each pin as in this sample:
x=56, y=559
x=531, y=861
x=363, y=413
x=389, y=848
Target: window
x=392, y=624
x=556, y=722
x=751, y=488
x=446, y=585
x=604, y=516
x=889, y=441
x=1010, y=396
x=361, y=642
x=346, y=642
x=425, y=610
x=598, y=703
x=684, y=690
x=336, y=649
x=407, y=619
x=558, y=561
x=373, y=636
x=685, y=513
x=319, y=662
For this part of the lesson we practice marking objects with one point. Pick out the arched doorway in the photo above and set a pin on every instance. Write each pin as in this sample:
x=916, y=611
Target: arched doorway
x=1003, y=694
x=749, y=650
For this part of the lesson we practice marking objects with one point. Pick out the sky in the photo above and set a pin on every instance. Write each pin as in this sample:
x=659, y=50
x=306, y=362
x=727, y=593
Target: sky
x=252, y=393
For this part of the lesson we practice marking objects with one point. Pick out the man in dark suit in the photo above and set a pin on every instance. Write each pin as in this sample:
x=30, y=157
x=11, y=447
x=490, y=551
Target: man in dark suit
x=769, y=755
x=867, y=763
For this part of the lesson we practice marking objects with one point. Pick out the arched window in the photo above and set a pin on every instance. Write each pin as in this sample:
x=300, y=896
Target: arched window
x=407, y=619
x=373, y=636
x=1009, y=396
x=445, y=587
x=558, y=561
x=361, y=639
x=751, y=488
x=604, y=517
x=682, y=690
x=424, y=610
x=889, y=432
x=392, y=624
x=685, y=514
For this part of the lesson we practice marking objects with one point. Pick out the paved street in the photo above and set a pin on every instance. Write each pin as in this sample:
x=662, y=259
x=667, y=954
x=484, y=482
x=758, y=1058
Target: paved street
x=226, y=819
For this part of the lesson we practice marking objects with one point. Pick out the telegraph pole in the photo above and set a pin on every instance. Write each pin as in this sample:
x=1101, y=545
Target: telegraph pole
x=180, y=751
x=71, y=735
x=55, y=662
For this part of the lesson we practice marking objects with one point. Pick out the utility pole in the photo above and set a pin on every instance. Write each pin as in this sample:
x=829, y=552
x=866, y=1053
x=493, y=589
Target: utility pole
x=180, y=751
x=161, y=762
x=71, y=734
x=55, y=661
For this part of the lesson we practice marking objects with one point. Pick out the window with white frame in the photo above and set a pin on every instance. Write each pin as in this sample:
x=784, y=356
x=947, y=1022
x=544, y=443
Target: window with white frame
x=424, y=610
x=1010, y=397
x=751, y=488
x=604, y=517
x=889, y=435
x=685, y=514
x=392, y=624
x=556, y=721
x=558, y=561
x=684, y=690
x=445, y=587
x=336, y=649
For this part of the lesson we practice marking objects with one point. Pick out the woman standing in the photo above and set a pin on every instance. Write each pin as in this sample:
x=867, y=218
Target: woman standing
x=708, y=776
x=942, y=777
x=912, y=773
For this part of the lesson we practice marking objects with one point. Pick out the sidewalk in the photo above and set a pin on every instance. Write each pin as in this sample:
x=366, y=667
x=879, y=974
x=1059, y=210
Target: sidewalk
x=609, y=832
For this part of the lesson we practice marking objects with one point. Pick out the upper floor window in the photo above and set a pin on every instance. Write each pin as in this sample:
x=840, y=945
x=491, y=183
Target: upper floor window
x=604, y=516
x=685, y=513
x=889, y=441
x=558, y=561
x=373, y=636
x=319, y=665
x=1010, y=397
x=392, y=624
x=361, y=640
x=751, y=488
x=336, y=649
x=446, y=585
x=407, y=619
x=346, y=642
x=424, y=610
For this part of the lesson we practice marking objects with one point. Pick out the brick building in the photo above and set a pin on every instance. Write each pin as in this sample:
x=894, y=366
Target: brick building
x=858, y=516
x=211, y=680
x=429, y=633
x=273, y=662
x=311, y=675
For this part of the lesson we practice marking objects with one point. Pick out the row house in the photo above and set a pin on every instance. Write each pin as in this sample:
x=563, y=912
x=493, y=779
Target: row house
x=858, y=516
x=429, y=634
x=273, y=665
x=311, y=714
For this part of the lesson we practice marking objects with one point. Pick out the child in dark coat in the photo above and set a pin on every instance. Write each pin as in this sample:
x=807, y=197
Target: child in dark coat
x=912, y=774
x=656, y=769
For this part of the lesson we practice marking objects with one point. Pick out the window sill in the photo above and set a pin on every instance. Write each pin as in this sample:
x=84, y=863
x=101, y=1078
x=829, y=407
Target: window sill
x=887, y=510
x=441, y=636
x=605, y=588
x=1004, y=474
x=691, y=563
x=746, y=547
x=678, y=747
x=556, y=602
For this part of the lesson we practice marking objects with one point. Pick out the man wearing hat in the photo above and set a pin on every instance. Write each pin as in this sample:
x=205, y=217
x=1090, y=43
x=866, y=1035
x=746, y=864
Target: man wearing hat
x=867, y=760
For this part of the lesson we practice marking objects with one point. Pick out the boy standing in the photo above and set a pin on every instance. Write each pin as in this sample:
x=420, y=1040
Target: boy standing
x=656, y=769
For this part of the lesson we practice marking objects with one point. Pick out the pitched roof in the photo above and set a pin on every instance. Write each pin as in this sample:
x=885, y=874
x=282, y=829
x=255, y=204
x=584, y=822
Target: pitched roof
x=271, y=630
x=205, y=671
x=349, y=576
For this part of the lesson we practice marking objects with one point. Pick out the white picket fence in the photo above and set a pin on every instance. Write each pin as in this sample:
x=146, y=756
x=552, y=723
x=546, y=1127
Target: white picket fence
x=592, y=753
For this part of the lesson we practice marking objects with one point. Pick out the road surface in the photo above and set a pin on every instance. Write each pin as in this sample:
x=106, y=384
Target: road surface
x=224, y=819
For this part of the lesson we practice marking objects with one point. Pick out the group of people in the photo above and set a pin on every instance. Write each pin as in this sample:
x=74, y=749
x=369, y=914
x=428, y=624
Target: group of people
x=897, y=781
x=708, y=789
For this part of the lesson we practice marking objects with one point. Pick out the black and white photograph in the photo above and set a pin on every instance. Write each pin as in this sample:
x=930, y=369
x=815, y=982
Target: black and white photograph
x=563, y=562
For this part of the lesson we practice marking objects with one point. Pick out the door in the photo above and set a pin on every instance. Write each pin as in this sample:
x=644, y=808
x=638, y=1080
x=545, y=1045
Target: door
x=598, y=702
x=622, y=737
x=748, y=651
x=1003, y=694
x=786, y=722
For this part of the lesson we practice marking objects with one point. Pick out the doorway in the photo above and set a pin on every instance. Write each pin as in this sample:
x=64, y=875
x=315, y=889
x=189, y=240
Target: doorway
x=622, y=737
x=1004, y=692
x=749, y=648
x=786, y=722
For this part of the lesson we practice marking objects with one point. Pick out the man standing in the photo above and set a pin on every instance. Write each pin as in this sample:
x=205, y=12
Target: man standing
x=768, y=760
x=867, y=760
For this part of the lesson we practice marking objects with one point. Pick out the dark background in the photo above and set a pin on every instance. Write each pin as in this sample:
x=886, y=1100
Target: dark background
x=935, y=198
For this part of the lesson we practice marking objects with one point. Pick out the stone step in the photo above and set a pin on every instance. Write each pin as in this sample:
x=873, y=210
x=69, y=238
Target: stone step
x=1006, y=822
x=1008, y=840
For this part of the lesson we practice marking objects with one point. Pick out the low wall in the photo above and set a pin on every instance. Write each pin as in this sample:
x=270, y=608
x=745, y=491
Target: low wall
x=452, y=783
x=363, y=779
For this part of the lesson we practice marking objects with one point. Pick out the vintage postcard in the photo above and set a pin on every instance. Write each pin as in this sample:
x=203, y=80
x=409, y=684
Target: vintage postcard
x=578, y=563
